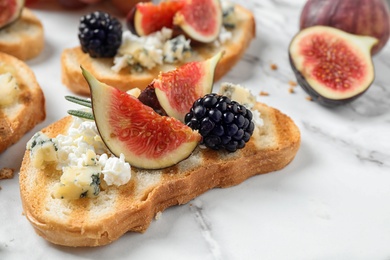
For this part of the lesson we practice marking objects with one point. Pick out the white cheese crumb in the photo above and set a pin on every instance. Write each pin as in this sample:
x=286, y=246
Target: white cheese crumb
x=116, y=171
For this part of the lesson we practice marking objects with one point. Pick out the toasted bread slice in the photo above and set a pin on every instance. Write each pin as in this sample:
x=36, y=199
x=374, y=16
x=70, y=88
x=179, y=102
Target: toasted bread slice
x=132, y=207
x=24, y=38
x=72, y=58
x=27, y=107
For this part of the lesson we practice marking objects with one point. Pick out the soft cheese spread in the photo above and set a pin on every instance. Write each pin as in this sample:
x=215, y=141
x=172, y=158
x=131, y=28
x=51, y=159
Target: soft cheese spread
x=82, y=157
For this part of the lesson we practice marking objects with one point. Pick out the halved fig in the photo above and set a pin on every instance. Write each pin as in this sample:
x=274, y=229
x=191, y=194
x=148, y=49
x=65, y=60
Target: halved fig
x=201, y=20
x=178, y=89
x=10, y=11
x=127, y=126
x=146, y=18
x=332, y=66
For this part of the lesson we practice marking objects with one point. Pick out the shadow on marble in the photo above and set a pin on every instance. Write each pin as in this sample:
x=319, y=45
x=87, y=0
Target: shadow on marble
x=46, y=54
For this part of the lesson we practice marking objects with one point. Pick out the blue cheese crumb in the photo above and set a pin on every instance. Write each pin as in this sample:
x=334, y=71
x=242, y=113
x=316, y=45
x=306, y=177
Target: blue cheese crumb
x=243, y=96
x=83, y=159
x=177, y=49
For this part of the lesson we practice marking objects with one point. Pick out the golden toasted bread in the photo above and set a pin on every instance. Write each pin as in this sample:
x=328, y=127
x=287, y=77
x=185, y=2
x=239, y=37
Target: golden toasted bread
x=131, y=207
x=24, y=38
x=22, y=104
x=234, y=48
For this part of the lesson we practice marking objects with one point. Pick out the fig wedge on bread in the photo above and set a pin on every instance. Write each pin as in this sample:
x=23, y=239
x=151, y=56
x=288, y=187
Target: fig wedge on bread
x=239, y=33
x=22, y=103
x=23, y=37
x=97, y=208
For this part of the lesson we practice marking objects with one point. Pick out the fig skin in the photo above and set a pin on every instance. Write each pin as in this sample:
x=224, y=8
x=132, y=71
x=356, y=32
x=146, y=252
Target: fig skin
x=305, y=61
x=125, y=6
x=148, y=97
x=360, y=17
x=130, y=20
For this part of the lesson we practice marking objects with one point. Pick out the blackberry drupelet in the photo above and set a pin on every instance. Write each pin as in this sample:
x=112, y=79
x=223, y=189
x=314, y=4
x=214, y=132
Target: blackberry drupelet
x=100, y=35
x=223, y=123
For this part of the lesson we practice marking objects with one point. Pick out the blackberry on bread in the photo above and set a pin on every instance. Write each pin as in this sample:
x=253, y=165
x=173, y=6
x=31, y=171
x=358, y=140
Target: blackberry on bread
x=240, y=34
x=132, y=206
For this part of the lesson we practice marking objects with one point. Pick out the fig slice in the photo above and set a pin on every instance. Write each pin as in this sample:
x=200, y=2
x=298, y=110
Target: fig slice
x=10, y=11
x=178, y=89
x=146, y=18
x=127, y=126
x=332, y=66
x=200, y=20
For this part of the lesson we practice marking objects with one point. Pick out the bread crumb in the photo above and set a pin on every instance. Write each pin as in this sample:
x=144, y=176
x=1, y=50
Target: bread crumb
x=6, y=173
x=292, y=83
x=274, y=66
x=158, y=215
x=309, y=98
x=291, y=90
x=263, y=93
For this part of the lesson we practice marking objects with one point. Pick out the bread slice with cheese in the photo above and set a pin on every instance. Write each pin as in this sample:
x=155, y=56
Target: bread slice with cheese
x=131, y=207
x=24, y=38
x=242, y=34
x=22, y=103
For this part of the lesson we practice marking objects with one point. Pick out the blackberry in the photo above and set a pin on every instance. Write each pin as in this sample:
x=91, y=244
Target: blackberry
x=100, y=35
x=223, y=123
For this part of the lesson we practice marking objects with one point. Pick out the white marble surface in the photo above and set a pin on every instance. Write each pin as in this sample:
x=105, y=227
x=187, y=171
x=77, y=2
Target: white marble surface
x=331, y=202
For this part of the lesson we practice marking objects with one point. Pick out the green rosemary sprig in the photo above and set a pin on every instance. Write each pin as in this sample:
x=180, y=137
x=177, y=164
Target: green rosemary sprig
x=82, y=102
x=81, y=114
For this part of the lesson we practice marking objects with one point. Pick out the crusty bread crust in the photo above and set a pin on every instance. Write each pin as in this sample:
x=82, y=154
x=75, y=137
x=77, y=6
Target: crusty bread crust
x=132, y=207
x=28, y=110
x=24, y=38
x=72, y=58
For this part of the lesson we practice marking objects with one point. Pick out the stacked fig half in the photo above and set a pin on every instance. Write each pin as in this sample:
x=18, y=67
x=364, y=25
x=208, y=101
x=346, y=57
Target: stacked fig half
x=149, y=128
x=331, y=56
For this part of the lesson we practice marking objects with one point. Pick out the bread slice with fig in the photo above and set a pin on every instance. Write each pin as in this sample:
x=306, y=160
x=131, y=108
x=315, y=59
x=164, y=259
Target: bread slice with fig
x=23, y=37
x=241, y=33
x=22, y=103
x=73, y=195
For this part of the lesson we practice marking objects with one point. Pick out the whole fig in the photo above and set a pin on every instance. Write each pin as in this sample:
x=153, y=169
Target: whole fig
x=361, y=17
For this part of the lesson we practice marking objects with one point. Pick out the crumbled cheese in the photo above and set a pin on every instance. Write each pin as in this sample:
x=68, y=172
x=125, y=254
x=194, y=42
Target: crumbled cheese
x=243, y=96
x=228, y=18
x=115, y=171
x=223, y=37
x=42, y=150
x=9, y=89
x=238, y=93
x=151, y=50
x=78, y=182
x=177, y=49
x=135, y=92
x=82, y=157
